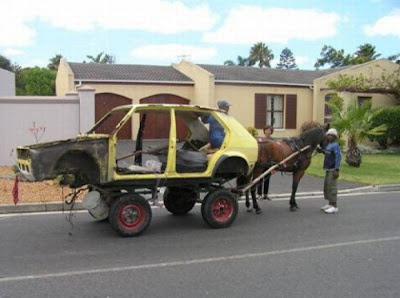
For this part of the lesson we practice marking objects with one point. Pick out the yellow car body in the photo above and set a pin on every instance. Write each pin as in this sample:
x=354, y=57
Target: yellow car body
x=237, y=155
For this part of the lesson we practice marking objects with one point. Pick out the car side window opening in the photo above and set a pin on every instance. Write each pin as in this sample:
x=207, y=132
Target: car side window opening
x=192, y=136
x=147, y=151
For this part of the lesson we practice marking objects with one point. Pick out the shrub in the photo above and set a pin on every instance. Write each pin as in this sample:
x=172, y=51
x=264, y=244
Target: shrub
x=253, y=131
x=391, y=117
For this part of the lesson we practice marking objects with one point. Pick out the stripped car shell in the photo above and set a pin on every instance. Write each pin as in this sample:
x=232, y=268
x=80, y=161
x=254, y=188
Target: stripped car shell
x=92, y=157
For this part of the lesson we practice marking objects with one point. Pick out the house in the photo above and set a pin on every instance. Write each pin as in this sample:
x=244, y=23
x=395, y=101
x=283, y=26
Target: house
x=259, y=95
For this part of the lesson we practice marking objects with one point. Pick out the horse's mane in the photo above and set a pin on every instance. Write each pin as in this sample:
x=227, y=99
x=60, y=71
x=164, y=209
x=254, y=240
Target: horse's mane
x=312, y=136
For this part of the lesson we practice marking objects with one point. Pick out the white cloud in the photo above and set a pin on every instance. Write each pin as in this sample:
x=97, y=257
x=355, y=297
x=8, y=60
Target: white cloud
x=301, y=60
x=250, y=24
x=174, y=52
x=14, y=32
x=387, y=25
x=161, y=16
x=34, y=63
x=9, y=52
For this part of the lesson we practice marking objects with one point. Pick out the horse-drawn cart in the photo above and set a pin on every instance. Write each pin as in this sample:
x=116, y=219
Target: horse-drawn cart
x=121, y=181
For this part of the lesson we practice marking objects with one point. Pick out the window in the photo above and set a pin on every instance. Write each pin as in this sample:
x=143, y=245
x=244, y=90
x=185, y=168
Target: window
x=362, y=99
x=277, y=110
x=327, y=111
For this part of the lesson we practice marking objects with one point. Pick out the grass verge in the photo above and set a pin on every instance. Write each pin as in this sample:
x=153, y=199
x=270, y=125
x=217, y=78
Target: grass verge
x=375, y=169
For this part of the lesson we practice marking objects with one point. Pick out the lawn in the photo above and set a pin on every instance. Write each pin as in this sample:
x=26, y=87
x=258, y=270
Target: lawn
x=375, y=169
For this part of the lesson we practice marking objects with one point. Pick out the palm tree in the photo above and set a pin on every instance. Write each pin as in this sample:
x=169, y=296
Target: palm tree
x=240, y=62
x=243, y=61
x=106, y=59
x=54, y=62
x=261, y=54
x=365, y=53
x=355, y=121
x=229, y=63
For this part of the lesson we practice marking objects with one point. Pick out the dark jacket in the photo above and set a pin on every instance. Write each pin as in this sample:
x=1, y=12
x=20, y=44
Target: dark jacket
x=333, y=157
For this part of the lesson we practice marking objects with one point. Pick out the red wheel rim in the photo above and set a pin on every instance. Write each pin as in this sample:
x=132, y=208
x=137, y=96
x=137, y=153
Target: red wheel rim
x=222, y=209
x=132, y=216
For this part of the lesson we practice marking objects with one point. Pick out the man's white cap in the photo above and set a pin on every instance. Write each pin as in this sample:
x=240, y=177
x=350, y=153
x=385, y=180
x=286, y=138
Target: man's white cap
x=332, y=132
x=223, y=103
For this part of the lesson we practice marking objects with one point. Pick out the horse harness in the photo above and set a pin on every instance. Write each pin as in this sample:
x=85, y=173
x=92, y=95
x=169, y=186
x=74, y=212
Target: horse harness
x=295, y=144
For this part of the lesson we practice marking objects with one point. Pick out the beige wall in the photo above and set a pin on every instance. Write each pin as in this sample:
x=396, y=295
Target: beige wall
x=204, y=87
x=374, y=70
x=137, y=92
x=65, y=79
x=243, y=100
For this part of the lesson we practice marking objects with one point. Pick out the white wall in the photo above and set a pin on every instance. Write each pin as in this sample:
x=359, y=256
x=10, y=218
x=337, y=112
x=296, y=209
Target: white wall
x=7, y=83
x=54, y=117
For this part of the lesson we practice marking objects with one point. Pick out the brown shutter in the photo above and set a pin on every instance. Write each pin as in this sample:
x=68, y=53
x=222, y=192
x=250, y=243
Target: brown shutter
x=291, y=111
x=260, y=112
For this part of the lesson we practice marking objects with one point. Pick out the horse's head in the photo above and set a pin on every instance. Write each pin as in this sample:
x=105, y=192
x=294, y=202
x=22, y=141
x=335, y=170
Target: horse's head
x=314, y=136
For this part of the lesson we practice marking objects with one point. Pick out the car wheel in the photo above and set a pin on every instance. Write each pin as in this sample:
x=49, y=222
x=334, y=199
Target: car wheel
x=180, y=201
x=130, y=215
x=219, y=208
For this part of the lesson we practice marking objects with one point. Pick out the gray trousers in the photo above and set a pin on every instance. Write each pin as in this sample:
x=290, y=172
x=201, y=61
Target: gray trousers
x=330, y=188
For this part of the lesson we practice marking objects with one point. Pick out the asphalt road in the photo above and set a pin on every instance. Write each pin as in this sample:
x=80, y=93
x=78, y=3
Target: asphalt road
x=355, y=253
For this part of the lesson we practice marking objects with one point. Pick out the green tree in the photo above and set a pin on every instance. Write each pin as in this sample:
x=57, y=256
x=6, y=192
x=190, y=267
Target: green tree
x=261, y=54
x=357, y=122
x=287, y=60
x=229, y=63
x=240, y=62
x=333, y=57
x=365, y=53
x=54, y=62
x=37, y=81
x=337, y=58
x=395, y=58
x=5, y=63
x=102, y=58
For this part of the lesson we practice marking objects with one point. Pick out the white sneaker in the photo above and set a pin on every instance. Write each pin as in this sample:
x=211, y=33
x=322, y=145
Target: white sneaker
x=331, y=210
x=323, y=208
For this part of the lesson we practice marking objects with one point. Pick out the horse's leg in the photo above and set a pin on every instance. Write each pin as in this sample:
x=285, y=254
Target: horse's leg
x=295, y=183
x=254, y=199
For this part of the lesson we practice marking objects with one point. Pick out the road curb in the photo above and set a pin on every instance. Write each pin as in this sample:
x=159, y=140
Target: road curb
x=40, y=207
x=60, y=206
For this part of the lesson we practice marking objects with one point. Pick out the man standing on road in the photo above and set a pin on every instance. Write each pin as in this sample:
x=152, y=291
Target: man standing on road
x=332, y=160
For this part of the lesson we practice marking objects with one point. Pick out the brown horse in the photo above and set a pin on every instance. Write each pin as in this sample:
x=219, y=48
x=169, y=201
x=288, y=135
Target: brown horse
x=271, y=153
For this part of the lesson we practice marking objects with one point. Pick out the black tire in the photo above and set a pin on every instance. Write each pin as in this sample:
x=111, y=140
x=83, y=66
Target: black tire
x=219, y=208
x=180, y=201
x=130, y=215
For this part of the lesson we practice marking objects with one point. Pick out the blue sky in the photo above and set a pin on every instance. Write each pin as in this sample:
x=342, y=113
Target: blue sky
x=160, y=32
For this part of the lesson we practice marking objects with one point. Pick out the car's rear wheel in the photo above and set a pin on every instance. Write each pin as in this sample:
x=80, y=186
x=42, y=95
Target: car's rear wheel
x=130, y=215
x=219, y=208
x=180, y=201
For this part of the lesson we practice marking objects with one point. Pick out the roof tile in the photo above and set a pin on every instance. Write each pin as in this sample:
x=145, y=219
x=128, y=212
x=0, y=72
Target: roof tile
x=265, y=75
x=127, y=72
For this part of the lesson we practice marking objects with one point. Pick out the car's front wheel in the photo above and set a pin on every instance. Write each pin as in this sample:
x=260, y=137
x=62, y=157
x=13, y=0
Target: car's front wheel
x=219, y=208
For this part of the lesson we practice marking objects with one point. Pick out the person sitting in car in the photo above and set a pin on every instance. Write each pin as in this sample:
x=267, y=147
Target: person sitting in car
x=216, y=131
